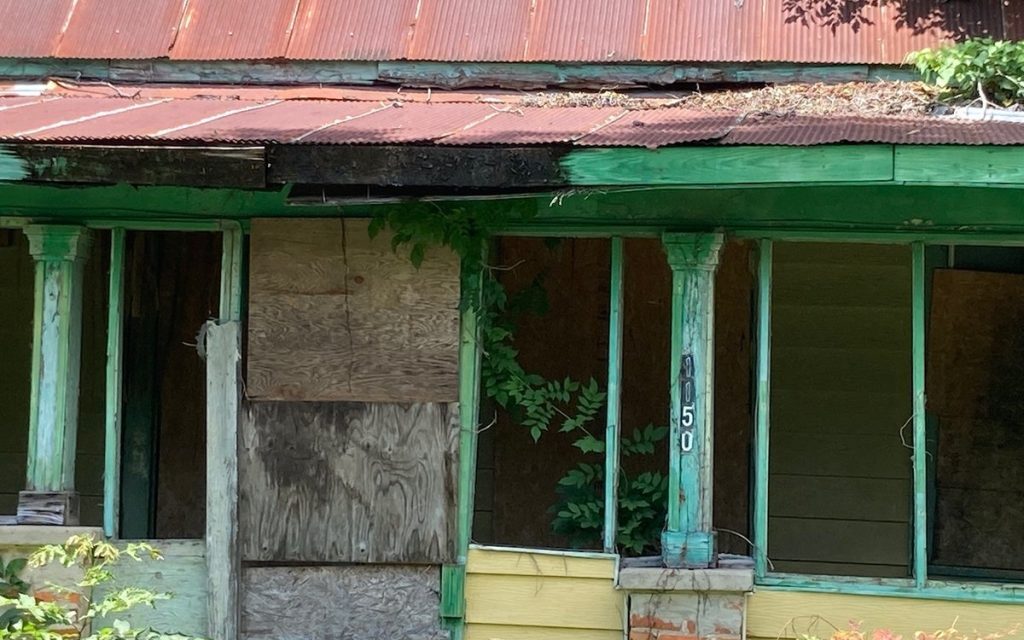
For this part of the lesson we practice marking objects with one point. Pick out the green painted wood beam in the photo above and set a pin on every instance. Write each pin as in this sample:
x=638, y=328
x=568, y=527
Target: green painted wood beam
x=440, y=74
x=469, y=403
x=689, y=540
x=112, y=419
x=613, y=426
x=728, y=165
x=231, y=265
x=762, y=409
x=920, y=520
x=902, y=588
x=931, y=164
x=60, y=252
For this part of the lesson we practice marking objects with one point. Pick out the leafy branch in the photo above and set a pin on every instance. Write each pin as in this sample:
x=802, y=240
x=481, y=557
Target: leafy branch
x=979, y=69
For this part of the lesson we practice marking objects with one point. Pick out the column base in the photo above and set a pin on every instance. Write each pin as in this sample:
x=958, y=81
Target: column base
x=693, y=550
x=58, y=508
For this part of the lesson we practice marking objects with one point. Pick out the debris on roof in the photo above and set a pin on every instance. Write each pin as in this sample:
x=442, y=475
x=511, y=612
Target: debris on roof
x=850, y=99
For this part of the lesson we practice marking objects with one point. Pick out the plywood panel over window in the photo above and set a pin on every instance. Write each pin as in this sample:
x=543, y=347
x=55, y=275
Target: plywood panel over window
x=840, y=463
x=348, y=482
x=334, y=315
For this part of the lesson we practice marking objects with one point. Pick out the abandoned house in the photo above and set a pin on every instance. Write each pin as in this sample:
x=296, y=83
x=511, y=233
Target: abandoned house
x=389, y=320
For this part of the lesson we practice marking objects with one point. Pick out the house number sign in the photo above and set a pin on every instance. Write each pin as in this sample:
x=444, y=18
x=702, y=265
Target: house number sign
x=687, y=417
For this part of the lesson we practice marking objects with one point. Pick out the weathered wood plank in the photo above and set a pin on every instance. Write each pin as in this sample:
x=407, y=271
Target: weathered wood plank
x=930, y=164
x=838, y=541
x=728, y=165
x=404, y=166
x=239, y=167
x=528, y=601
x=358, y=601
x=516, y=562
x=223, y=393
x=349, y=482
x=334, y=315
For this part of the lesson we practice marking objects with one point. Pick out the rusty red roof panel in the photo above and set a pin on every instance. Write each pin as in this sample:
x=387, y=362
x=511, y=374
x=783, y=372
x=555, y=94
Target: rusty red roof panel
x=471, y=30
x=33, y=28
x=726, y=31
x=121, y=29
x=407, y=123
x=331, y=30
x=235, y=29
x=59, y=117
x=660, y=127
x=534, y=125
x=595, y=31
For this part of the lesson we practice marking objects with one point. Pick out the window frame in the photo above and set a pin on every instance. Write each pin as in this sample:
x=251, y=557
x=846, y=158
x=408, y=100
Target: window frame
x=920, y=585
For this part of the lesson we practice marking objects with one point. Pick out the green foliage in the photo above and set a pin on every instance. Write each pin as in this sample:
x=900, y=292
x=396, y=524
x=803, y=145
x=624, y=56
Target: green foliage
x=76, y=614
x=642, y=498
x=992, y=70
x=530, y=400
x=11, y=583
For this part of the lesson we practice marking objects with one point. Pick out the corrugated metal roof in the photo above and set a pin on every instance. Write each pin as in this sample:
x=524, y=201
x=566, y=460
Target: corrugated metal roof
x=812, y=31
x=120, y=29
x=235, y=30
x=173, y=115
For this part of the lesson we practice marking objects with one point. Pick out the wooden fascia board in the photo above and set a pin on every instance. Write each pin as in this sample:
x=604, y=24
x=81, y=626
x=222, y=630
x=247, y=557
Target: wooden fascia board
x=239, y=167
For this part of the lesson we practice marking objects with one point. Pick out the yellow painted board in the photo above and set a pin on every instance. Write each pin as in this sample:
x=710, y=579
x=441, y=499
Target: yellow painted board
x=521, y=563
x=508, y=632
x=574, y=603
x=773, y=614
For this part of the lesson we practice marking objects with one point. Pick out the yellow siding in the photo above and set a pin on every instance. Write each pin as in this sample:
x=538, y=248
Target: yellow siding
x=785, y=614
x=516, y=594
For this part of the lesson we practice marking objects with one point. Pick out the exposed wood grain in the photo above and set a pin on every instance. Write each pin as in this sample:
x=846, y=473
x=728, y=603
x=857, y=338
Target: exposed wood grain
x=334, y=315
x=988, y=164
x=728, y=165
x=401, y=166
x=349, y=482
x=774, y=614
x=326, y=603
x=223, y=394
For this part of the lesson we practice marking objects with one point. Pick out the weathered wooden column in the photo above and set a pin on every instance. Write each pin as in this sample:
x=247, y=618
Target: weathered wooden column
x=59, y=252
x=688, y=540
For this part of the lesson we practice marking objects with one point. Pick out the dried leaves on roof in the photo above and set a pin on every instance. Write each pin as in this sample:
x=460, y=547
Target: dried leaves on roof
x=851, y=98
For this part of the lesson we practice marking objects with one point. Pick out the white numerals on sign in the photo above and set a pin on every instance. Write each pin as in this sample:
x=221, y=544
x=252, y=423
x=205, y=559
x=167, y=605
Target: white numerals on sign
x=688, y=405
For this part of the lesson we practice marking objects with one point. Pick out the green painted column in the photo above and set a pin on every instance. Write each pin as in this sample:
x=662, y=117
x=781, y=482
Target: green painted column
x=688, y=540
x=60, y=252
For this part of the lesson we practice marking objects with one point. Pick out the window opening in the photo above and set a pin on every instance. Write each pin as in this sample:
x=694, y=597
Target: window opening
x=840, y=472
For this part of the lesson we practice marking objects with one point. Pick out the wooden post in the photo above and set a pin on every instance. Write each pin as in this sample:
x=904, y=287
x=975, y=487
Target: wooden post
x=613, y=426
x=920, y=555
x=112, y=421
x=223, y=400
x=688, y=540
x=763, y=412
x=59, y=252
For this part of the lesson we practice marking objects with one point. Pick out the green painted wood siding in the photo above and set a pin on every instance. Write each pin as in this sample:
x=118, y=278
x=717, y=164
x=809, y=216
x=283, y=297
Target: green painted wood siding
x=840, y=478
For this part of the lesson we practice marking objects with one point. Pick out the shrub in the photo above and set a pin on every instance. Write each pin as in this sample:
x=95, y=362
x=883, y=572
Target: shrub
x=978, y=68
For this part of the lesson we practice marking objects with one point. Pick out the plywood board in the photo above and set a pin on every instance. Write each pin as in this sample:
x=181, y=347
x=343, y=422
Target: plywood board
x=324, y=603
x=975, y=373
x=348, y=482
x=336, y=316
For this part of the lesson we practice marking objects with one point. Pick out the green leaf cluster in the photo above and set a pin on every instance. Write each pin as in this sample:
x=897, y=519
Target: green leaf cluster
x=977, y=68
x=11, y=583
x=26, y=617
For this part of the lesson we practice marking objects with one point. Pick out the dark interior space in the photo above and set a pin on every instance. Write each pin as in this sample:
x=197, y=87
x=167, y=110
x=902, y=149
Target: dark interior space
x=172, y=284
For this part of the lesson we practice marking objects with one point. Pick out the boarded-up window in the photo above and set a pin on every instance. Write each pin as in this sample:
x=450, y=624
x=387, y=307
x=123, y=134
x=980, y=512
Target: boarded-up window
x=840, y=469
x=334, y=315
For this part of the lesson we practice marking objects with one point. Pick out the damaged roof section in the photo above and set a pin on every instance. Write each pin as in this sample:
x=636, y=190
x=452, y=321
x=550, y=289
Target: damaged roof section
x=605, y=31
x=104, y=114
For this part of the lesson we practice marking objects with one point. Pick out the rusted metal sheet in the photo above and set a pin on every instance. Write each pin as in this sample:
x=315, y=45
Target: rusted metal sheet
x=595, y=31
x=331, y=30
x=120, y=29
x=34, y=28
x=471, y=30
x=812, y=31
x=235, y=30
x=268, y=118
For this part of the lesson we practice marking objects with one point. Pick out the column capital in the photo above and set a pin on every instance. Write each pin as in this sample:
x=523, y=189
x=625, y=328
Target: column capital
x=52, y=242
x=692, y=250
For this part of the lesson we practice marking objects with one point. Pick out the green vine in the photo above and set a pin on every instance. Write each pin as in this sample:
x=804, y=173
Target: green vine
x=530, y=400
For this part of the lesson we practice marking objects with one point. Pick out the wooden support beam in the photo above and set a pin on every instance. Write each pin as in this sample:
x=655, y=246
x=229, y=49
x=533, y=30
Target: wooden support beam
x=222, y=166
x=60, y=251
x=762, y=409
x=223, y=401
x=613, y=426
x=920, y=520
x=689, y=540
x=112, y=422
x=416, y=166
